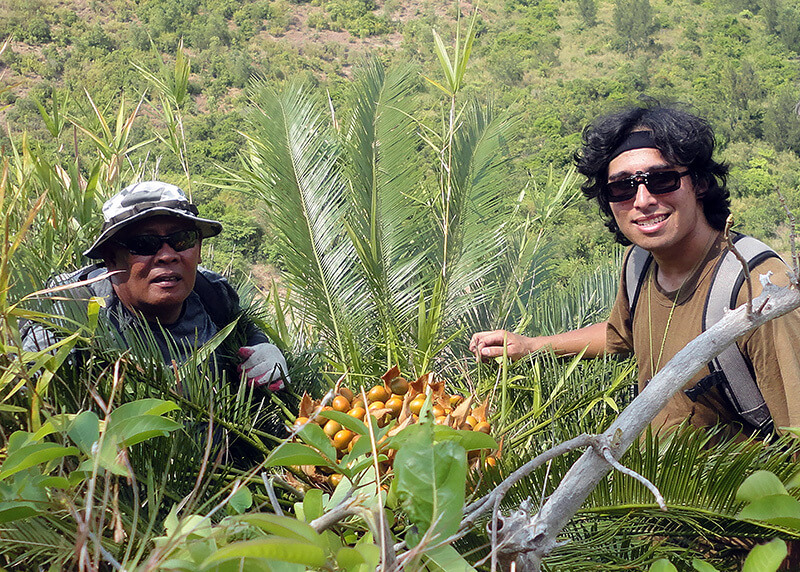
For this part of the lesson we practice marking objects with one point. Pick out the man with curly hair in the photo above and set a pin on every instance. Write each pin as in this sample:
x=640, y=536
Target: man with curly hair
x=654, y=177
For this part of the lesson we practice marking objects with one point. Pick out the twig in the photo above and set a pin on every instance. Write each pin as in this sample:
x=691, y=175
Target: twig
x=473, y=511
x=271, y=494
x=386, y=557
x=348, y=507
x=603, y=449
x=727, y=236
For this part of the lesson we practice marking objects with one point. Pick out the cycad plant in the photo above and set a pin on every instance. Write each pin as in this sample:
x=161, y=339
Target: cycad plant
x=392, y=231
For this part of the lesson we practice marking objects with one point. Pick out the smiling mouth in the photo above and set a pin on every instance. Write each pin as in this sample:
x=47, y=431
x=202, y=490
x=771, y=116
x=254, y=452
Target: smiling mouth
x=651, y=221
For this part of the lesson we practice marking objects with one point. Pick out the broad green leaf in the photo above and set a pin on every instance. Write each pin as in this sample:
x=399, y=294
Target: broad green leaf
x=10, y=511
x=285, y=526
x=370, y=552
x=85, y=431
x=348, y=421
x=32, y=455
x=312, y=434
x=766, y=557
x=778, y=509
x=470, y=440
x=430, y=483
x=271, y=548
x=295, y=454
x=312, y=505
x=448, y=559
x=141, y=407
x=348, y=558
x=129, y=432
x=760, y=484
x=241, y=500
x=701, y=566
x=55, y=482
x=662, y=565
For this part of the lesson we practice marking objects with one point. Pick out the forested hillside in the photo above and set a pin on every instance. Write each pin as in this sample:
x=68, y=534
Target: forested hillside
x=556, y=64
x=405, y=199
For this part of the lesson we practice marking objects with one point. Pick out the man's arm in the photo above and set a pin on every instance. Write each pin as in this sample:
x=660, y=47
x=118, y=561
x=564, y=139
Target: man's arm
x=487, y=345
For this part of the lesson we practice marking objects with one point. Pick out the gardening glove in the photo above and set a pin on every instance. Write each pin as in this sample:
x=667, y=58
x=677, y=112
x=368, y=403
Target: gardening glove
x=264, y=365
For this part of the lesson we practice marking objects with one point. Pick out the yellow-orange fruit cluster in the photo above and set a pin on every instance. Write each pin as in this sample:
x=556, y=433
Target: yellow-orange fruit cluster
x=395, y=399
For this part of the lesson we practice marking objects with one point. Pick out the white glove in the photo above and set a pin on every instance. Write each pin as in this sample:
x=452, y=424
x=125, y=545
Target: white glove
x=264, y=364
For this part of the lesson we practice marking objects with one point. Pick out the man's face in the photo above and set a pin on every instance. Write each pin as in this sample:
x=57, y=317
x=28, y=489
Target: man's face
x=155, y=285
x=666, y=224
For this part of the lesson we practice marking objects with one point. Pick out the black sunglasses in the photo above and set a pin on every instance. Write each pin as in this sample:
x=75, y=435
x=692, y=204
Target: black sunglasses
x=657, y=183
x=150, y=244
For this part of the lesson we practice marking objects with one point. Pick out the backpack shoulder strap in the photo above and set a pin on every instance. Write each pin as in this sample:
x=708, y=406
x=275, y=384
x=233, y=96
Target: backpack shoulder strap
x=731, y=369
x=634, y=269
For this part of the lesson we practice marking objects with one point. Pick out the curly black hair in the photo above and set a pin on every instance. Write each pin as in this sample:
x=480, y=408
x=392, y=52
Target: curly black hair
x=683, y=139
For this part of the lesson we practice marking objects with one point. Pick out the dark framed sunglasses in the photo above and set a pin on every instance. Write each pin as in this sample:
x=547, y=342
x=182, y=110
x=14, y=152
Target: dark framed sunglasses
x=150, y=244
x=658, y=183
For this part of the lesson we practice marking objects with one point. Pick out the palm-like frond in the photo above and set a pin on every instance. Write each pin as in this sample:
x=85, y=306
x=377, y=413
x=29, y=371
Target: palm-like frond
x=295, y=166
x=385, y=173
x=479, y=213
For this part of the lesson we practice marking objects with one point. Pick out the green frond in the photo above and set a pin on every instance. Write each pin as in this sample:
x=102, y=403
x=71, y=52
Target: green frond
x=478, y=215
x=295, y=163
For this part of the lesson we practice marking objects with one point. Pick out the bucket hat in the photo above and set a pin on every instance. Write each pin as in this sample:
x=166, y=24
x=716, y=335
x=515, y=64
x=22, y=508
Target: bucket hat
x=144, y=200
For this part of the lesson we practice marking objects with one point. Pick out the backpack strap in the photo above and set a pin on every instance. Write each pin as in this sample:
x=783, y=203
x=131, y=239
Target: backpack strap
x=635, y=268
x=731, y=370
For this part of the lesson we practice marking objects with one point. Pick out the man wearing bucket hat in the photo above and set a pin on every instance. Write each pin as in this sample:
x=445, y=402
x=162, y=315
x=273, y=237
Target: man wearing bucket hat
x=150, y=245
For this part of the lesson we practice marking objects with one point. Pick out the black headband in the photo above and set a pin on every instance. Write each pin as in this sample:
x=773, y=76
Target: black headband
x=634, y=140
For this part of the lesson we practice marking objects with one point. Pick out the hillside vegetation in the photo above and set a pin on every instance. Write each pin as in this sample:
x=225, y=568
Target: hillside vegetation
x=555, y=64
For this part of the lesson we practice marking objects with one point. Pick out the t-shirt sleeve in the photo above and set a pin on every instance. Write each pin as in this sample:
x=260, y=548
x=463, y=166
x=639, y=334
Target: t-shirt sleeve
x=619, y=335
x=772, y=351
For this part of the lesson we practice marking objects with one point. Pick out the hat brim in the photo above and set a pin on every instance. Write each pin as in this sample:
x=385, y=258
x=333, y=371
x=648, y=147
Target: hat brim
x=207, y=227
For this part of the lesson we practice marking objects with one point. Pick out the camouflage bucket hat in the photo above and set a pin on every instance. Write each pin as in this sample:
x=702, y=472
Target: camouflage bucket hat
x=144, y=200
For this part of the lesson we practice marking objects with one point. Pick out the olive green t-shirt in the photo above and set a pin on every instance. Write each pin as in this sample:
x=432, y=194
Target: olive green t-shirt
x=664, y=322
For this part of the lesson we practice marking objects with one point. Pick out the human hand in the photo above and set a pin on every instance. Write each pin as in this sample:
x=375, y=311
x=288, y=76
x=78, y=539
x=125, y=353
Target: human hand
x=488, y=345
x=264, y=365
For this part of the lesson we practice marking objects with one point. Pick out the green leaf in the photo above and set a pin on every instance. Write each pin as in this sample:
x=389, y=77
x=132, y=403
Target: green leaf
x=10, y=511
x=241, y=500
x=662, y=565
x=129, y=432
x=295, y=454
x=370, y=552
x=430, y=483
x=312, y=505
x=313, y=435
x=32, y=455
x=348, y=558
x=448, y=559
x=778, y=509
x=766, y=557
x=470, y=440
x=348, y=421
x=760, y=484
x=280, y=526
x=701, y=566
x=271, y=548
x=85, y=431
x=141, y=407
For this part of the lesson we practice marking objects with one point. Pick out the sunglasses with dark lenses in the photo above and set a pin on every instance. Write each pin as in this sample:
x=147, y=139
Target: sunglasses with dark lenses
x=657, y=183
x=150, y=244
